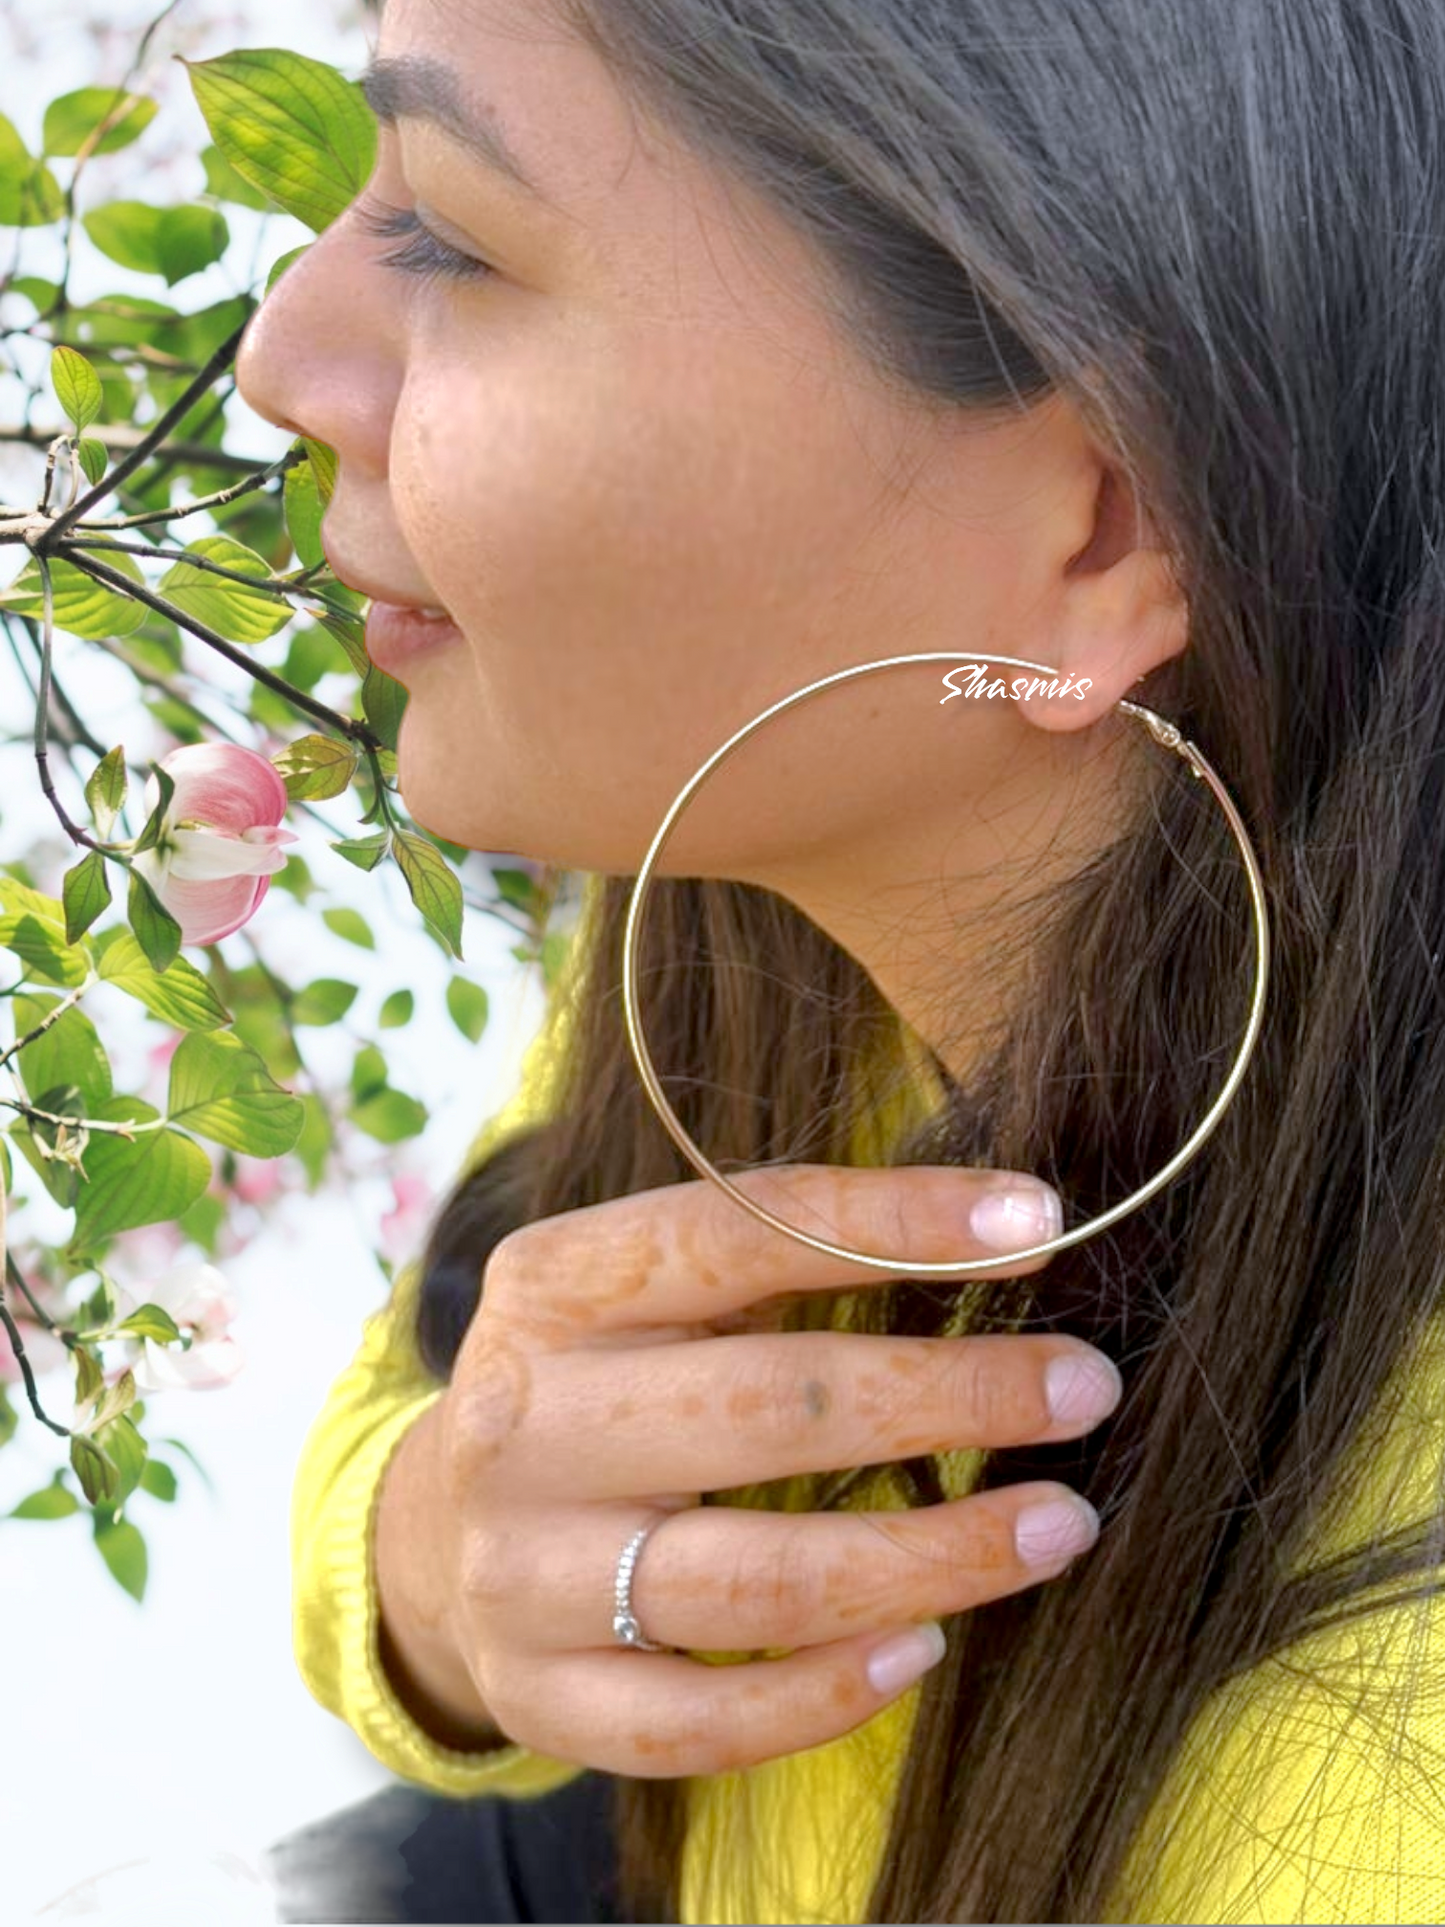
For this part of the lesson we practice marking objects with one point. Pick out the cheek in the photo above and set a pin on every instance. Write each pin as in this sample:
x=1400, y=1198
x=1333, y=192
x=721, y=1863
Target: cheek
x=647, y=536
x=613, y=514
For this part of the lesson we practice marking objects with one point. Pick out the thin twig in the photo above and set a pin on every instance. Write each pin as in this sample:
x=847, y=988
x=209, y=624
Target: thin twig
x=42, y=713
x=55, y=1012
x=268, y=584
x=149, y=442
x=256, y=480
x=127, y=1128
x=352, y=728
x=12, y=1330
x=124, y=435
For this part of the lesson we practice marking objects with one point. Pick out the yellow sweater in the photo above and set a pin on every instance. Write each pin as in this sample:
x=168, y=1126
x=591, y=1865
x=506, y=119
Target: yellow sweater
x=1292, y=1800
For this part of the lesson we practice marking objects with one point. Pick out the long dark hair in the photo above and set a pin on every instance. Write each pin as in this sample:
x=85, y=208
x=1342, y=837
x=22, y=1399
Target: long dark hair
x=1216, y=226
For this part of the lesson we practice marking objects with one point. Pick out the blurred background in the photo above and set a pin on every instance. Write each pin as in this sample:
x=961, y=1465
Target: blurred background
x=152, y=1731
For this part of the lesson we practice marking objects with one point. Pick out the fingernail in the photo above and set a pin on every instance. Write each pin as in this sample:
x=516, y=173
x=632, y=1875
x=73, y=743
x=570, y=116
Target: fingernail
x=1082, y=1387
x=1013, y=1220
x=1054, y=1530
x=906, y=1657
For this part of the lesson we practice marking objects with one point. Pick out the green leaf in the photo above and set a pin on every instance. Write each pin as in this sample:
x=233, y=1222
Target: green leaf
x=126, y=1450
x=77, y=387
x=241, y=613
x=16, y=896
x=173, y=242
x=303, y=509
x=282, y=262
x=53, y=1501
x=467, y=1004
x=313, y=1147
x=146, y=1180
x=397, y=1010
x=203, y=1221
x=384, y=702
x=368, y=1072
x=83, y=607
x=151, y=1321
x=315, y=767
x=350, y=632
x=93, y=458
x=295, y=128
x=365, y=851
x=159, y=1480
x=68, y=1052
x=226, y=184
x=9, y=1418
x=123, y=1549
x=435, y=887
x=43, y=950
x=321, y=458
x=310, y=655
x=151, y=830
x=105, y=790
x=72, y=117
x=518, y=888
x=220, y=1088
x=98, y=1477
x=85, y=891
x=30, y=195
x=89, y=1379
x=157, y=931
x=326, y=1000
x=389, y=1116
x=350, y=925
x=182, y=997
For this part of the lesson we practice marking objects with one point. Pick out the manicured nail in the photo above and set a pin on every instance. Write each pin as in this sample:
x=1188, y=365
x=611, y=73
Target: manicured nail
x=906, y=1657
x=1082, y=1387
x=1013, y=1220
x=1055, y=1530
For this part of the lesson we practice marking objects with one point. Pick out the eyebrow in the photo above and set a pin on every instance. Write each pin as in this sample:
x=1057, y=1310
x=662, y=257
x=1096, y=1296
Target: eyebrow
x=414, y=87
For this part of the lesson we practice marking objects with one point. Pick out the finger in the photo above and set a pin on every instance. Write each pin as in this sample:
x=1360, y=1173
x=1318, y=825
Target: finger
x=663, y=1716
x=737, y=1579
x=709, y=1415
x=684, y=1253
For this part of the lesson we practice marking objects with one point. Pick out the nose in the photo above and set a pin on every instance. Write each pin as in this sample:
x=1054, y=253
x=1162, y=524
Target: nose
x=321, y=356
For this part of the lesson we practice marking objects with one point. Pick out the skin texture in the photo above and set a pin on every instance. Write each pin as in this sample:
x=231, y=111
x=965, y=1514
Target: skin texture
x=658, y=490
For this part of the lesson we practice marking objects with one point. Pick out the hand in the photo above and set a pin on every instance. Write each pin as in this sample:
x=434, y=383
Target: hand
x=620, y=1364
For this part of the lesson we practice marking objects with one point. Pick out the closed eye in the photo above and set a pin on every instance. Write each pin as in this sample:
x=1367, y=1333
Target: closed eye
x=427, y=256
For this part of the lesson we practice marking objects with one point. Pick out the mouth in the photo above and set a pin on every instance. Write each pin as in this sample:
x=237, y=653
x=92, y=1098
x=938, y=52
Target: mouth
x=397, y=633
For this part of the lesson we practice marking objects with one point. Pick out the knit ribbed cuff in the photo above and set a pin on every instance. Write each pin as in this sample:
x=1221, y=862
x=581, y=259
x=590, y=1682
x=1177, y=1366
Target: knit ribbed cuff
x=347, y=1600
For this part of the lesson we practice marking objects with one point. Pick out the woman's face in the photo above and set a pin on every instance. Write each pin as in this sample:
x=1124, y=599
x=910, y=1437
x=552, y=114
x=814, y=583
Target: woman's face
x=657, y=489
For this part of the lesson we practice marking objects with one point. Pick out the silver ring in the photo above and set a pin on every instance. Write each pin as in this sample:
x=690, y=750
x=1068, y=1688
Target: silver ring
x=624, y=1620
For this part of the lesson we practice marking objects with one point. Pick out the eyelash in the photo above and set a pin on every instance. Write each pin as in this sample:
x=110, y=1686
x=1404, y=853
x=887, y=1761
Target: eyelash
x=427, y=257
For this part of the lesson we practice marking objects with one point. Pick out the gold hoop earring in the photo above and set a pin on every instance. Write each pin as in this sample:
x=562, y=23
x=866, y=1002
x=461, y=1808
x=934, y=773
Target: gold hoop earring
x=1164, y=732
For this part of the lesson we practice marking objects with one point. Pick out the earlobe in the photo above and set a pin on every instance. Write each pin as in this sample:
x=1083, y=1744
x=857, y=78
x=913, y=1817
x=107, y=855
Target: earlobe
x=1115, y=625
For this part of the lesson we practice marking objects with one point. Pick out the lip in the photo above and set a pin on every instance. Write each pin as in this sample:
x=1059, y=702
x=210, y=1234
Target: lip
x=398, y=634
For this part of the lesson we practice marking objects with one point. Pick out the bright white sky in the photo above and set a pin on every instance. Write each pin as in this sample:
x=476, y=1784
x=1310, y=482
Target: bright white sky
x=181, y=1724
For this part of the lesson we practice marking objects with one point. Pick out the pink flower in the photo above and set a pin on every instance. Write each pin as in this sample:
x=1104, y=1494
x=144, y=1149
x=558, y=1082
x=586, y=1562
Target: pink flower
x=257, y=1180
x=402, y=1227
x=198, y=1301
x=220, y=843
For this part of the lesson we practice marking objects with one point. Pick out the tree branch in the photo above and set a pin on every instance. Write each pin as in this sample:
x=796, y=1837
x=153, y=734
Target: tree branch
x=123, y=435
x=148, y=443
x=352, y=728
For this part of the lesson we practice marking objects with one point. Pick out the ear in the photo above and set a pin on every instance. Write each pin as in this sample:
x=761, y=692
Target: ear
x=1115, y=610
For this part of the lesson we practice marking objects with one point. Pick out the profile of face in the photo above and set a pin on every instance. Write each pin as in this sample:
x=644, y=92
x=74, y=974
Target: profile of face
x=620, y=436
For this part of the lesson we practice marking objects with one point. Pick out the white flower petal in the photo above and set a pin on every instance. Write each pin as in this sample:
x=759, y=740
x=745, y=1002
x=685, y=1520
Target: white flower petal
x=206, y=856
